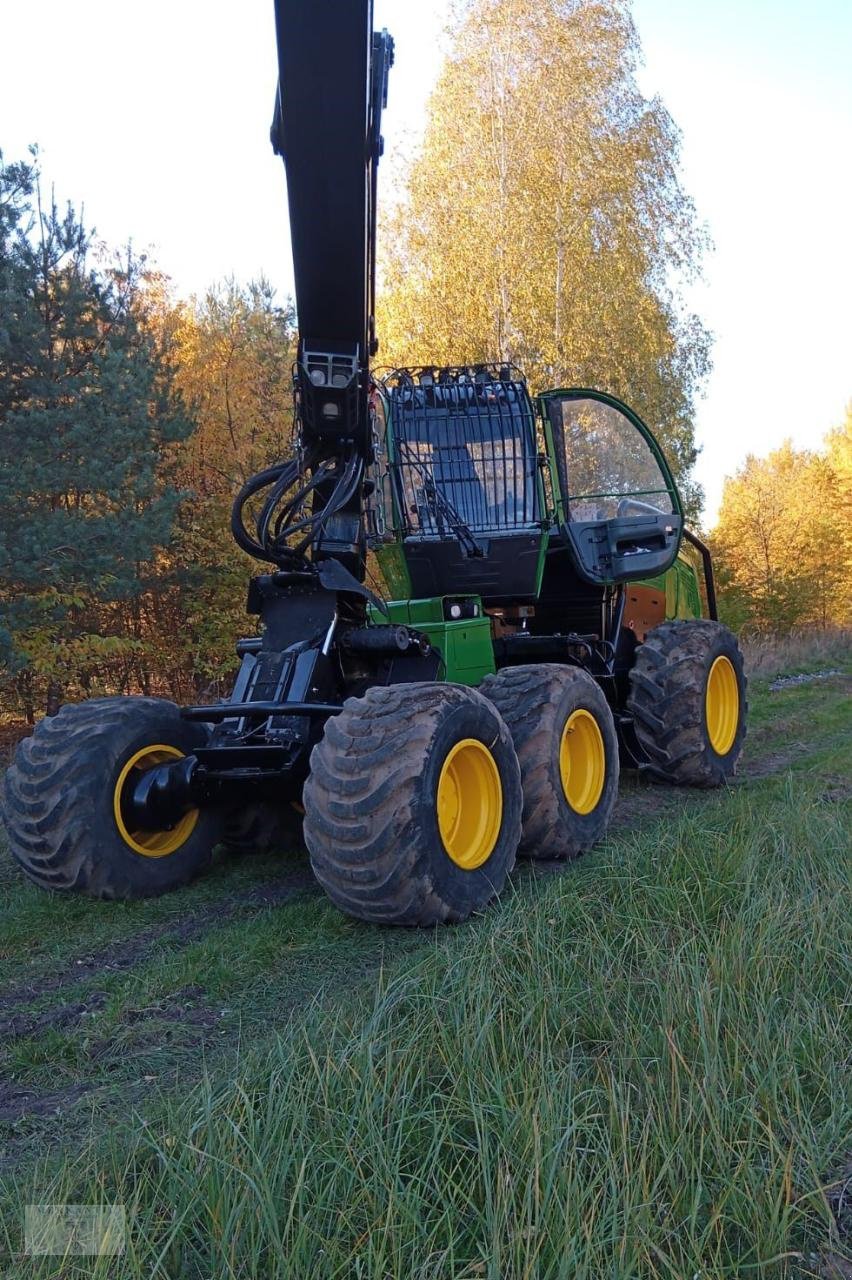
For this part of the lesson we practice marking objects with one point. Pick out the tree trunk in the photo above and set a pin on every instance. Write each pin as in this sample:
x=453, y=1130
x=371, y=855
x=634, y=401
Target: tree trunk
x=54, y=698
x=25, y=690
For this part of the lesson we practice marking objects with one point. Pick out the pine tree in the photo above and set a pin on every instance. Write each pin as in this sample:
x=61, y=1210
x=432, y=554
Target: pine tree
x=89, y=415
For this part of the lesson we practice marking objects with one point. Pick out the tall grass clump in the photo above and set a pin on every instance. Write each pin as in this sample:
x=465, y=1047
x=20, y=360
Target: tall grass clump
x=768, y=654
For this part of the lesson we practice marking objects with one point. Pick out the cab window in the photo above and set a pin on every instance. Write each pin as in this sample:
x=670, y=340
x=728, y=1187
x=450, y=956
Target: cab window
x=607, y=467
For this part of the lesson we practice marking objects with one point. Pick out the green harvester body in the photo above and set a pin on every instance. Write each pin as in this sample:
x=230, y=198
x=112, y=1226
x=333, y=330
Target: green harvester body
x=547, y=616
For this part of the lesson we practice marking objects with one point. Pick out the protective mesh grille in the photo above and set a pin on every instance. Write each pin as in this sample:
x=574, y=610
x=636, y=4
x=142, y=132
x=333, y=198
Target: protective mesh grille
x=464, y=452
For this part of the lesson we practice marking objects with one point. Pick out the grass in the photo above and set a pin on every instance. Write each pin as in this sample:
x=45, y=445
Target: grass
x=638, y=1067
x=805, y=649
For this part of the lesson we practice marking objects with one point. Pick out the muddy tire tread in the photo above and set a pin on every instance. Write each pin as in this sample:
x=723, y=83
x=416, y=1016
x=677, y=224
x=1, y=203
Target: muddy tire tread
x=47, y=799
x=529, y=699
x=666, y=700
x=362, y=827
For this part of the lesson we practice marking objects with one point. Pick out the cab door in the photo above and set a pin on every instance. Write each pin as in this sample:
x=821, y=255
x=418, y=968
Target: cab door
x=617, y=504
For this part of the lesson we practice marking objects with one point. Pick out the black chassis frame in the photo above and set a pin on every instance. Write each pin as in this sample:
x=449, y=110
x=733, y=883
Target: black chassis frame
x=315, y=651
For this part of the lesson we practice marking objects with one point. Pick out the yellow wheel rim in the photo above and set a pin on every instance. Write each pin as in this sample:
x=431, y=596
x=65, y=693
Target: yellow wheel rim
x=151, y=844
x=582, y=761
x=470, y=804
x=722, y=705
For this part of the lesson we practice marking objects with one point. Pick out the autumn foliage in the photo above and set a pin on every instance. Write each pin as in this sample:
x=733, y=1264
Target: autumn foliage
x=129, y=419
x=783, y=541
x=541, y=221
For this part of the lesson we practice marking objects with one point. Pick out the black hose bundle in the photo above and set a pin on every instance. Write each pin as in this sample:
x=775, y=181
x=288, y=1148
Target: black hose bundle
x=291, y=506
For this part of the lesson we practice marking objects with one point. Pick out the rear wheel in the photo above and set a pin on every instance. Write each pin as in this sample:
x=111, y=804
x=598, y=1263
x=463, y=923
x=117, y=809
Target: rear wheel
x=688, y=701
x=413, y=805
x=65, y=801
x=567, y=747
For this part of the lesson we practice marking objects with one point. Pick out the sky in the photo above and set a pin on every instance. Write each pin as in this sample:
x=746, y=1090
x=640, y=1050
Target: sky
x=155, y=118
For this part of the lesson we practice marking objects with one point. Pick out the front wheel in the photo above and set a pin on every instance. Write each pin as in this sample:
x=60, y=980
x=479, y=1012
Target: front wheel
x=65, y=799
x=413, y=805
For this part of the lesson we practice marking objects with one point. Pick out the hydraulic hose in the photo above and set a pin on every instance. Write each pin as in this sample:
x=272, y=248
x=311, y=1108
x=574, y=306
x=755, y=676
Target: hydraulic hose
x=276, y=525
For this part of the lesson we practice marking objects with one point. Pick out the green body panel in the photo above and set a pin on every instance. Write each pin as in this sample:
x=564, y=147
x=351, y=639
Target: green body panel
x=391, y=561
x=388, y=549
x=680, y=583
x=557, y=514
x=465, y=646
x=542, y=556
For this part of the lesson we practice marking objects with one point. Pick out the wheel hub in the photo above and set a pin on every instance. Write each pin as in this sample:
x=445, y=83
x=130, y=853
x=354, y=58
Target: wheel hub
x=151, y=799
x=722, y=705
x=582, y=761
x=469, y=803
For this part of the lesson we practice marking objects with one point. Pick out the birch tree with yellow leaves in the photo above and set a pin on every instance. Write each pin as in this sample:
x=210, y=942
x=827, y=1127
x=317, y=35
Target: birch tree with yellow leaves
x=543, y=220
x=784, y=537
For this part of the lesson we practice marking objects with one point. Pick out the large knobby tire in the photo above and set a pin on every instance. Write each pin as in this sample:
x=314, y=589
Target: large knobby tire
x=62, y=794
x=263, y=827
x=688, y=701
x=384, y=768
x=567, y=747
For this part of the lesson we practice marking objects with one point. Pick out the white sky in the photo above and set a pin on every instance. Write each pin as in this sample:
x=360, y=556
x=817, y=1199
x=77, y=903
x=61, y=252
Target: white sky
x=155, y=117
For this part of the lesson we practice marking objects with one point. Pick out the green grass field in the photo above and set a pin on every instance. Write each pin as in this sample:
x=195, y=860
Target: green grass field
x=637, y=1065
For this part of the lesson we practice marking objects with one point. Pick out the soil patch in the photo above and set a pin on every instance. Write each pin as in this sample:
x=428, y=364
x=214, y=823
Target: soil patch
x=127, y=952
x=63, y=1016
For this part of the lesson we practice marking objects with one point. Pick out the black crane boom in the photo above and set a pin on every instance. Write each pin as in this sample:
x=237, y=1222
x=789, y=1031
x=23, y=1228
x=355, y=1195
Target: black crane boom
x=332, y=86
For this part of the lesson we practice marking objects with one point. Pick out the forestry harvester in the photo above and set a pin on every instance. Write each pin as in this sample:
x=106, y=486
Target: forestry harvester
x=545, y=613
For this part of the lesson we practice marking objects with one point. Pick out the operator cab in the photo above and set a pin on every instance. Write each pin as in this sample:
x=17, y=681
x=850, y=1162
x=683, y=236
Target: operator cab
x=465, y=485
x=480, y=490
